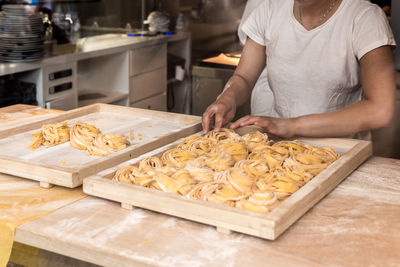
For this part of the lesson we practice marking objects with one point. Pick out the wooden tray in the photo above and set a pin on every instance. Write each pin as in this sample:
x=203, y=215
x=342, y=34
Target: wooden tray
x=225, y=218
x=66, y=166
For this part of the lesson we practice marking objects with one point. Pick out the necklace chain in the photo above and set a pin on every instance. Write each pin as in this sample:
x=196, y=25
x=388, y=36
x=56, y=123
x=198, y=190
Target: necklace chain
x=322, y=18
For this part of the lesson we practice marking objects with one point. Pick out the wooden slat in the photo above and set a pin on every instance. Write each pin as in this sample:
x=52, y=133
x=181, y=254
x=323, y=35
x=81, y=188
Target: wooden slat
x=120, y=156
x=40, y=172
x=175, y=205
x=100, y=232
x=41, y=164
x=158, y=115
x=60, y=117
x=357, y=224
x=227, y=218
x=15, y=115
x=294, y=207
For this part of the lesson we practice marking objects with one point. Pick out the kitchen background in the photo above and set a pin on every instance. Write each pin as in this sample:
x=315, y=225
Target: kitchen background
x=213, y=23
x=213, y=26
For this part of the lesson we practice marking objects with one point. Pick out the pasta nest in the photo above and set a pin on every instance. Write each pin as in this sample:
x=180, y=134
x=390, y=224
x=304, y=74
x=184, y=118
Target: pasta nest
x=219, y=161
x=201, y=174
x=272, y=160
x=177, y=157
x=261, y=202
x=82, y=135
x=184, y=181
x=204, y=190
x=223, y=135
x=254, y=139
x=226, y=195
x=51, y=135
x=132, y=174
x=249, y=172
x=253, y=168
x=239, y=180
x=237, y=151
x=198, y=145
x=150, y=164
x=105, y=144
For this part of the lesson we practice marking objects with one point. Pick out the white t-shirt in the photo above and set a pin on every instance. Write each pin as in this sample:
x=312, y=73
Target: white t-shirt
x=262, y=99
x=316, y=71
x=251, y=5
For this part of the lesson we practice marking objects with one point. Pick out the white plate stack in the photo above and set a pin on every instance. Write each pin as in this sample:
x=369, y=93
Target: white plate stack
x=21, y=34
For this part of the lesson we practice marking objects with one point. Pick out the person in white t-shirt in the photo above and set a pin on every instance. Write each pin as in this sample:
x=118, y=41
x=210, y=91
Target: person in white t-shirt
x=330, y=67
x=262, y=99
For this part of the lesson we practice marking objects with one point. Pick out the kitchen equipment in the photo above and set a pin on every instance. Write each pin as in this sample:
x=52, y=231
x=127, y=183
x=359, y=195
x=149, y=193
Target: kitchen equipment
x=66, y=166
x=21, y=34
x=224, y=217
x=67, y=102
x=209, y=77
x=59, y=86
x=13, y=91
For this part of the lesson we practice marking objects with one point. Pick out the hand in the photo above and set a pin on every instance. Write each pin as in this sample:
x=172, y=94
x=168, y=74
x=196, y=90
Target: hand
x=275, y=126
x=223, y=109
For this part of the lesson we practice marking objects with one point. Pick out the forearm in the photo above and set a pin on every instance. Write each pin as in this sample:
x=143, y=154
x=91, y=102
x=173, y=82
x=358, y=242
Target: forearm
x=376, y=111
x=361, y=116
x=236, y=89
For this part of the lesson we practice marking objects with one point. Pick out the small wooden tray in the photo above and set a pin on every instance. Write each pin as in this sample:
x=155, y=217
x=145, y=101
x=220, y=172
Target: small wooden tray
x=66, y=166
x=225, y=218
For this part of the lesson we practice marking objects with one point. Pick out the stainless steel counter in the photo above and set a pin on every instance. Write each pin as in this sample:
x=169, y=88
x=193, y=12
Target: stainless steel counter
x=100, y=47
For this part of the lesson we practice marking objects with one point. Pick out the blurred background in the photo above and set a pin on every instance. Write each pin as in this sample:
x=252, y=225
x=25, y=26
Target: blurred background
x=208, y=56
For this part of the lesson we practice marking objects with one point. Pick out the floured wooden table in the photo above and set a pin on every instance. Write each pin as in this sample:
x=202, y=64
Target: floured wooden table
x=15, y=115
x=357, y=224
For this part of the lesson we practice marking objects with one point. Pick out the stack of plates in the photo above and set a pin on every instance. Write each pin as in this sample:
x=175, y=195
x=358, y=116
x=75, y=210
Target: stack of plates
x=21, y=34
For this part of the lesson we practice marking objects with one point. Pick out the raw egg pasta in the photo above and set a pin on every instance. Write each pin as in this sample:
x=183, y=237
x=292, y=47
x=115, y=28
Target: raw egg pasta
x=249, y=172
x=51, y=135
x=105, y=144
x=82, y=136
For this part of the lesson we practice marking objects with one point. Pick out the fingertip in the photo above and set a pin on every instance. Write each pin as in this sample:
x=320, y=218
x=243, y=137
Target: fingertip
x=218, y=122
x=243, y=123
x=217, y=126
x=205, y=122
x=236, y=124
x=204, y=129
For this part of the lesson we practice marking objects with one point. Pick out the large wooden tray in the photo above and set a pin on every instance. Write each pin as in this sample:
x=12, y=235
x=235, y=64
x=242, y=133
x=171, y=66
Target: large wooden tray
x=225, y=218
x=66, y=166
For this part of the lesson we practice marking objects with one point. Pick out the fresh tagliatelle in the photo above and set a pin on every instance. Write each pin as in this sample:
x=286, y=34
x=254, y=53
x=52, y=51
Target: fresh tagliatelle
x=249, y=172
x=81, y=135
x=105, y=144
x=50, y=135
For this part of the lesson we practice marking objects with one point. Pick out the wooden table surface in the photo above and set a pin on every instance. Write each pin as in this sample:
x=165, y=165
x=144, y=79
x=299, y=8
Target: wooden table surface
x=357, y=224
x=15, y=115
